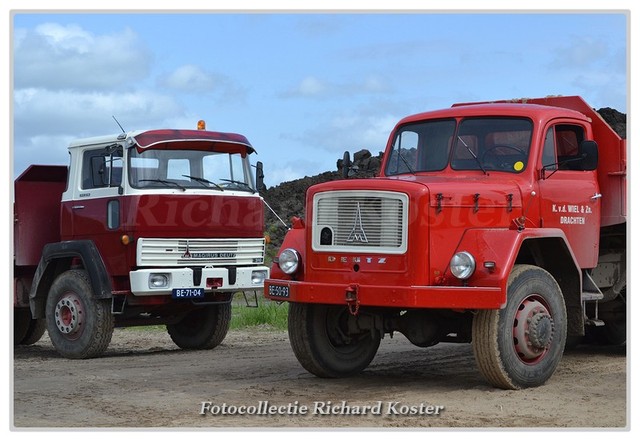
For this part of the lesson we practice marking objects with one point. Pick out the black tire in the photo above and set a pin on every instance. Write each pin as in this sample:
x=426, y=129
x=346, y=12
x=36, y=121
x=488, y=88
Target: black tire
x=316, y=334
x=202, y=328
x=79, y=325
x=521, y=345
x=34, y=332
x=615, y=327
x=21, y=321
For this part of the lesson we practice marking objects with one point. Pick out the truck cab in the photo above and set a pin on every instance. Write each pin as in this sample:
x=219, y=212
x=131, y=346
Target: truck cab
x=487, y=224
x=155, y=227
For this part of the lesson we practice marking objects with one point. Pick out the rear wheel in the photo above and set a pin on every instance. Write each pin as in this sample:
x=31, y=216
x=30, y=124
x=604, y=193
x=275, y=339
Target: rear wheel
x=521, y=345
x=79, y=325
x=29, y=330
x=324, y=346
x=202, y=328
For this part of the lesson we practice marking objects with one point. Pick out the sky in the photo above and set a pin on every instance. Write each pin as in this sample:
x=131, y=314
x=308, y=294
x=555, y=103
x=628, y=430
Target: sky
x=303, y=87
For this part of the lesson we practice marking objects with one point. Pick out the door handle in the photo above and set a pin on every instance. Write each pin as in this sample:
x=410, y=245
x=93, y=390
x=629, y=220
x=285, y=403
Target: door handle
x=596, y=196
x=77, y=207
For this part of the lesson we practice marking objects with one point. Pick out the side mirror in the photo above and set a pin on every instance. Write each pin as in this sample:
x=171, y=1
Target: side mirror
x=346, y=165
x=589, y=154
x=259, y=176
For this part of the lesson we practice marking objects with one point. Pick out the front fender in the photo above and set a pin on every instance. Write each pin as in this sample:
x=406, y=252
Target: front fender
x=56, y=258
x=496, y=251
x=296, y=239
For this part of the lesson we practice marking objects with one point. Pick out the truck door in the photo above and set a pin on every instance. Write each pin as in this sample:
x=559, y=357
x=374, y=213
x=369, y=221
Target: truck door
x=570, y=196
x=96, y=205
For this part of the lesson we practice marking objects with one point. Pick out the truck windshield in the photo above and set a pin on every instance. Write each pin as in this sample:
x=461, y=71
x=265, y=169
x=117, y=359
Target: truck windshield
x=479, y=143
x=182, y=169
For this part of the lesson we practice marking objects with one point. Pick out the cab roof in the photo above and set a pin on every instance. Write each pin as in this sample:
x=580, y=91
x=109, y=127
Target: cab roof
x=535, y=112
x=169, y=139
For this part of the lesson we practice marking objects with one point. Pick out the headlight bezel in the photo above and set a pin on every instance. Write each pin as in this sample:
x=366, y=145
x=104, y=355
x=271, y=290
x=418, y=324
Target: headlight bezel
x=165, y=278
x=258, y=277
x=462, y=265
x=289, y=261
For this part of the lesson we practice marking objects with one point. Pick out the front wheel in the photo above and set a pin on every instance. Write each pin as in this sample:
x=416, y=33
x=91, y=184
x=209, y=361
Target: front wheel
x=79, y=325
x=202, y=328
x=521, y=345
x=324, y=345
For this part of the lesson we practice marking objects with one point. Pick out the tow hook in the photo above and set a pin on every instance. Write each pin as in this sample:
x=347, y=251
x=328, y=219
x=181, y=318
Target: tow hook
x=351, y=297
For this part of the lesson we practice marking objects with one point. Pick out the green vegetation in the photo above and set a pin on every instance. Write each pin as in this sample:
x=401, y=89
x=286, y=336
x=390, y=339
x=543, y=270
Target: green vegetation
x=269, y=313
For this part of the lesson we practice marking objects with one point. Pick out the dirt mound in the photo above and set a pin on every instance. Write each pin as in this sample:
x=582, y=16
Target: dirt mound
x=617, y=120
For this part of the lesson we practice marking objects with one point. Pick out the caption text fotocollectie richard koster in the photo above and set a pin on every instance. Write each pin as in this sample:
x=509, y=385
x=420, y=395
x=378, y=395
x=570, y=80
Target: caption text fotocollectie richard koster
x=321, y=408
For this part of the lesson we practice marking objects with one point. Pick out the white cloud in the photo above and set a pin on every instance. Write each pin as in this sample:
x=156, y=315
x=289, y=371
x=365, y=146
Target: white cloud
x=55, y=112
x=45, y=121
x=580, y=52
x=314, y=87
x=54, y=56
x=351, y=131
x=190, y=78
x=311, y=86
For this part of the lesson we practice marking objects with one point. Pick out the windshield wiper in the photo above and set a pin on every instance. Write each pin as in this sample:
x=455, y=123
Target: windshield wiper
x=204, y=181
x=473, y=154
x=162, y=181
x=243, y=184
x=406, y=163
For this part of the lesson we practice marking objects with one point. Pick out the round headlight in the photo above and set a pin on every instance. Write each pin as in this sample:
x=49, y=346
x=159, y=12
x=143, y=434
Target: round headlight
x=462, y=265
x=289, y=260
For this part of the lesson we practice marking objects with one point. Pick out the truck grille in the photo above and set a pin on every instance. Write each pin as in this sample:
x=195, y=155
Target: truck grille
x=200, y=252
x=373, y=221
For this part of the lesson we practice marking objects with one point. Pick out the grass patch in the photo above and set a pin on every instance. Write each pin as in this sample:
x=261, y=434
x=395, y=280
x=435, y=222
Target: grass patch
x=269, y=313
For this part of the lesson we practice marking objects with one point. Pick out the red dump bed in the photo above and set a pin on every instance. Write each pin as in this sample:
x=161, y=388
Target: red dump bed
x=37, y=211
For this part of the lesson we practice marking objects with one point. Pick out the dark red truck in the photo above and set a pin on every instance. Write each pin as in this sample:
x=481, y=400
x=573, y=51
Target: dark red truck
x=153, y=227
x=500, y=224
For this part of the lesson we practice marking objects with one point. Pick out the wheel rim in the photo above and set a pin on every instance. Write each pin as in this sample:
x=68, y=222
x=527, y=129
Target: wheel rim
x=69, y=315
x=337, y=332
x=533, y=330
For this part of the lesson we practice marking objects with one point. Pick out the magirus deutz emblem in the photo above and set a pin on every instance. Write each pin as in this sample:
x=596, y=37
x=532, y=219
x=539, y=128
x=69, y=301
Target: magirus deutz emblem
x=357, y=232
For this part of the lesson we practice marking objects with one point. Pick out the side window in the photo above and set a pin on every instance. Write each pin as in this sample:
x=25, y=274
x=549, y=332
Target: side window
x=549, y=159
x=405, y=152
x=101, y=168
x=568, y=139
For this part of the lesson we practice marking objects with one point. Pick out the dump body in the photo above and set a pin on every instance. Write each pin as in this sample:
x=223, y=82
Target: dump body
x=37, y=211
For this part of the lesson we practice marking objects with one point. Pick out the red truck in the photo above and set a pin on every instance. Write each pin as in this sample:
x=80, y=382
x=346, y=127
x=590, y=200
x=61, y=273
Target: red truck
x=146, y=227
x=501, y=224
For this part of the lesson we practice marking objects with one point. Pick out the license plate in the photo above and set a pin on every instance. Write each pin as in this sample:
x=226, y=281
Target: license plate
x=279, y=291
x=187, y=293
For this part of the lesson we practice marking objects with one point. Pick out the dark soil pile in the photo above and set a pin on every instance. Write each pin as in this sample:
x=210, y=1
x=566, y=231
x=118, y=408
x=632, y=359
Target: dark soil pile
x=617, y=120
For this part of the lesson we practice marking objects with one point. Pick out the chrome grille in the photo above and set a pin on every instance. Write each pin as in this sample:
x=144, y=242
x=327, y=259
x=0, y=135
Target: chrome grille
x=358, y=220
x=200, y=252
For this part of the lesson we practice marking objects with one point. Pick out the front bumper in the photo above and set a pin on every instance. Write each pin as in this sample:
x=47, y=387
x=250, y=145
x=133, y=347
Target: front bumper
x=441, y=297
x=184, y=278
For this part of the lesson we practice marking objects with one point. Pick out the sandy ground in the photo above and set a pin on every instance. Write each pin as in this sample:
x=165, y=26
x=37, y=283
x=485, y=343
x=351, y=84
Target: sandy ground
x=144, y=381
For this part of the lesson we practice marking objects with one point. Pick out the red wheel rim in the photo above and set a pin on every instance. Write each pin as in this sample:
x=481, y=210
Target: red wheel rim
x=533, y=330
x=69, y=315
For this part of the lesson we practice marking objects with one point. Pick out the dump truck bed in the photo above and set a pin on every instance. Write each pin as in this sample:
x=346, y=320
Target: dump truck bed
x=37, y=211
